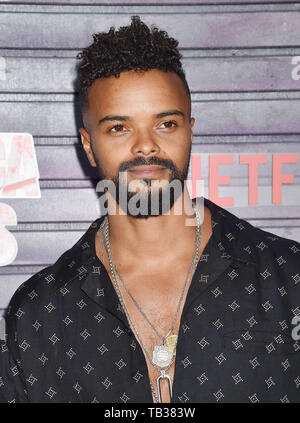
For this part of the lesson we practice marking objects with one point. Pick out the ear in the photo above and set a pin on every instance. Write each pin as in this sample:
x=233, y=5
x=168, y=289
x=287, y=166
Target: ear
x=192, y=121
x=86, y=142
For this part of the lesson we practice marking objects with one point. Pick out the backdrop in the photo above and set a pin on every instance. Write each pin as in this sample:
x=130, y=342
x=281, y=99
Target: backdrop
x=242, y=63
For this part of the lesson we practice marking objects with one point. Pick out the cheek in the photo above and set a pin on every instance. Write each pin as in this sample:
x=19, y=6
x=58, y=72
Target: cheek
x=108, y=165
x=108, y=159
x=179, y=153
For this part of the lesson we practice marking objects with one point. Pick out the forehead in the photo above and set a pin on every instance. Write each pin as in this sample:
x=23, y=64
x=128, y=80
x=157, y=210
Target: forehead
x=133, y=93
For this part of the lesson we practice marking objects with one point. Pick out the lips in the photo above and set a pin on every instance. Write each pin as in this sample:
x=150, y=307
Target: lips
x=146, y=170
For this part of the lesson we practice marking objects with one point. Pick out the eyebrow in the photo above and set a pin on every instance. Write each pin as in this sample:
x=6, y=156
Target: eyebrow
x=125, y=118
x=169, y=113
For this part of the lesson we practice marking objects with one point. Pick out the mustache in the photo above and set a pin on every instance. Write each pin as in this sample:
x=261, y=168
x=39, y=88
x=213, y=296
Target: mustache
x=141, y=161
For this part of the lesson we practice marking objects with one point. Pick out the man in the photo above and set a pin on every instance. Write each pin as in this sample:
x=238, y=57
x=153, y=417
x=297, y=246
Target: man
x=146, y=306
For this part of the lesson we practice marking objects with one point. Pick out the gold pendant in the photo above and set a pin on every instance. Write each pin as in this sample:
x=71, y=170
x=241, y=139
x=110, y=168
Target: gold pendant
x=171, y=342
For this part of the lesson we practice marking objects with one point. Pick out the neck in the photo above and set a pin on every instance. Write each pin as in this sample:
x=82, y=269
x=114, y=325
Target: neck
x=155, y=237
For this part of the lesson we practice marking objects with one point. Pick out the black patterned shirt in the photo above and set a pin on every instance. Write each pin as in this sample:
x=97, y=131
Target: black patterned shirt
x=68, y=339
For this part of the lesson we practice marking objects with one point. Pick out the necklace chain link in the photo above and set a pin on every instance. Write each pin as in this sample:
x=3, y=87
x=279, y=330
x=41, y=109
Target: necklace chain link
x=114, y=272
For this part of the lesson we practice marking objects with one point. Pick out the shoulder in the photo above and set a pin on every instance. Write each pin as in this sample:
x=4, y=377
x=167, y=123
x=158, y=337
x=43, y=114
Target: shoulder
x=266, y=244
x=38, y=291
x=35, y=292
x=262, y=248
x=275, y=258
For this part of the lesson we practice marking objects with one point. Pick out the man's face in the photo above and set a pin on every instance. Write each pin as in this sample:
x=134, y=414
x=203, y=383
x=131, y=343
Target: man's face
x=139, y=123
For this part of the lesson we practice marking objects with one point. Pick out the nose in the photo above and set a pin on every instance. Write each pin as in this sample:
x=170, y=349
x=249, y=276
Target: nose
x=145, y=144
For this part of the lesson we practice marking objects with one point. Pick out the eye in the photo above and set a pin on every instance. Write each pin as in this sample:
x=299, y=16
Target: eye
x=169, y=124
x=117, y=128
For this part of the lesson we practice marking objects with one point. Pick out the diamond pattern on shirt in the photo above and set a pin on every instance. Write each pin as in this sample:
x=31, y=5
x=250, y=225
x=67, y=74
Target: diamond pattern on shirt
x=68, y=338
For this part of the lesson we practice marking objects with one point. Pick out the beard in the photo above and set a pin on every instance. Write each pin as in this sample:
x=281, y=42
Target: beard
x=152, y=197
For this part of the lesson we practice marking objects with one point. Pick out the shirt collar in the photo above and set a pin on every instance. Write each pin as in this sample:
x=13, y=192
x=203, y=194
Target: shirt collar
x=82, y=264
x=227, y=231
x=231, y=234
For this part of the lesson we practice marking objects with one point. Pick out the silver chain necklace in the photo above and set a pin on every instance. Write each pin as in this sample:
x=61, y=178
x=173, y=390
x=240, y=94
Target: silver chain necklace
x=162, y=354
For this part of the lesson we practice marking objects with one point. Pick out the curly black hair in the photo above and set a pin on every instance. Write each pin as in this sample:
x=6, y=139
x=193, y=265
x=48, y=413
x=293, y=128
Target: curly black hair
x=133, y=47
